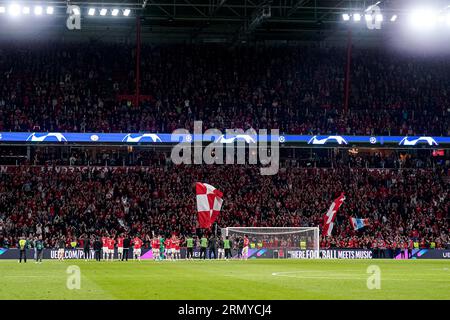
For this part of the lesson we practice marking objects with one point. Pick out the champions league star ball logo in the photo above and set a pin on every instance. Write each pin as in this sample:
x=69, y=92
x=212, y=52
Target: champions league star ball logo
x=139, y=138
x=406, y=141
x=242, y=137
x=336, y=139
x=373, y=140
x=51, y=136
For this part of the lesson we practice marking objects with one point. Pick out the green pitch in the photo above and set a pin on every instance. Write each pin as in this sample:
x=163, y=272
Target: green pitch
x=253, y=279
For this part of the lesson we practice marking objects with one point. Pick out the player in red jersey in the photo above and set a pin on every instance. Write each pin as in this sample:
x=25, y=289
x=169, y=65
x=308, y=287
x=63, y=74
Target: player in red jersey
x=111, y=243
x=137, y=245
x=105, y=247
x=120, y=247
x=176, y=247
x=155, y=248
x=173, y=244
x=168, y=246
x=245, y=249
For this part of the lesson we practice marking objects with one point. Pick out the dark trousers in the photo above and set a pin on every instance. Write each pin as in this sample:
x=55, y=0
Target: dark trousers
x=125, y=254
x=98, y=255
x=23, y=255
x=240, y=252
x=39, y=254
x=190, y=253
x=227, y=253
x=211, y=252
x=203, y=253
x=86, y=253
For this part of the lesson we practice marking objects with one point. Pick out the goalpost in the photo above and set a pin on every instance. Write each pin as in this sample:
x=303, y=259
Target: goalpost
x=280, y=240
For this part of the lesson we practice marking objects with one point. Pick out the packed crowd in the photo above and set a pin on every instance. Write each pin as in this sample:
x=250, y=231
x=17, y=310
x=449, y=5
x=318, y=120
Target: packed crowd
x=82, y=88
x=400, y=204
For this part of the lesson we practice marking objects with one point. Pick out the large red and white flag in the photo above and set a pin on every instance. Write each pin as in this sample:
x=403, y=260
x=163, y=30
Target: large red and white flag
x=209, y=203
x=328, y=219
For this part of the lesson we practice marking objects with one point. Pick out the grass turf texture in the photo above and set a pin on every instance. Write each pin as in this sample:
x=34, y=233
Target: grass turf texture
x=252, y=279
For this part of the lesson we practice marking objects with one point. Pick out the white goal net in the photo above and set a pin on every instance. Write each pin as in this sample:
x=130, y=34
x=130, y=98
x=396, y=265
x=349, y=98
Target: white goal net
x=280, y=241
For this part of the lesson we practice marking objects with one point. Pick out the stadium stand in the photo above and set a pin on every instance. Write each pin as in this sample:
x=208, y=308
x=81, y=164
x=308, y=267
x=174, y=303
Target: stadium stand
x=86, y=88
x=402, y=205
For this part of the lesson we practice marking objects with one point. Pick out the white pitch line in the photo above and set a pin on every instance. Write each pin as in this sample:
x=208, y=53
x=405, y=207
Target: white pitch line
x=344, y=277
x=306, y=271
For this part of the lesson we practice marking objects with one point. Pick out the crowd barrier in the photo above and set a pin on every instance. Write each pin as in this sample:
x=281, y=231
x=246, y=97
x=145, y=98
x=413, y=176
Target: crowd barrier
x=266, y=253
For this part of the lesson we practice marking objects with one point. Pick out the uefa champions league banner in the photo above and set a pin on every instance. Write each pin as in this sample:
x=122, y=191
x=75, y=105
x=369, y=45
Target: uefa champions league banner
x=69, y=169
x=295, y=253
x=260, y=253
x=167, y=138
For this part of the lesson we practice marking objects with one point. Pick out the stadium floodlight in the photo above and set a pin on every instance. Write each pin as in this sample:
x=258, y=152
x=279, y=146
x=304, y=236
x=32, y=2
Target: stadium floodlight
x=2, y=9
x=38, y=10
x=356, y=17
x=14, y=10
x=379, y=17
x=444, y=18
x=91, y=11
x=103, y=12
x=394, y=18
x=126, y=12
x=346, y=17
x=115, y=12
x=423, y=19
x=26, y=10
x=50, y=10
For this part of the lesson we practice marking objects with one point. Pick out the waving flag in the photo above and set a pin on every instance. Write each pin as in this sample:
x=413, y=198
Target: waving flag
x=328, y=219
x=359, y=223
x=209, y=202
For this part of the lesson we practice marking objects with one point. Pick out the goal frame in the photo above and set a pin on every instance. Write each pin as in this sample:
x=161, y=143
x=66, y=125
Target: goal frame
x=225, y=232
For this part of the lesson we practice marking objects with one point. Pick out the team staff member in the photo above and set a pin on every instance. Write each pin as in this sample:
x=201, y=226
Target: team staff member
x=203, y=246
x=61, y=247
x=221, y=249
x=227, y=247
x=240, y=247
x=86, y=247
x=22, y=250
x=212, y=247
x=39, y=245
x=190, y=247
x=126, y=247
x=98, y=249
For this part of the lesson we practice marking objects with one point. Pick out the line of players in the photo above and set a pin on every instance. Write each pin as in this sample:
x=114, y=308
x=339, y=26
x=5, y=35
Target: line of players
x=164, y=248
x=168, y=249
x=123, y=246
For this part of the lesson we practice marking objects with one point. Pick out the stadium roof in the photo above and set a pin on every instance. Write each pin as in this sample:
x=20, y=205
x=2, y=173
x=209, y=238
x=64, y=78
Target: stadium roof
x=220, y=20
